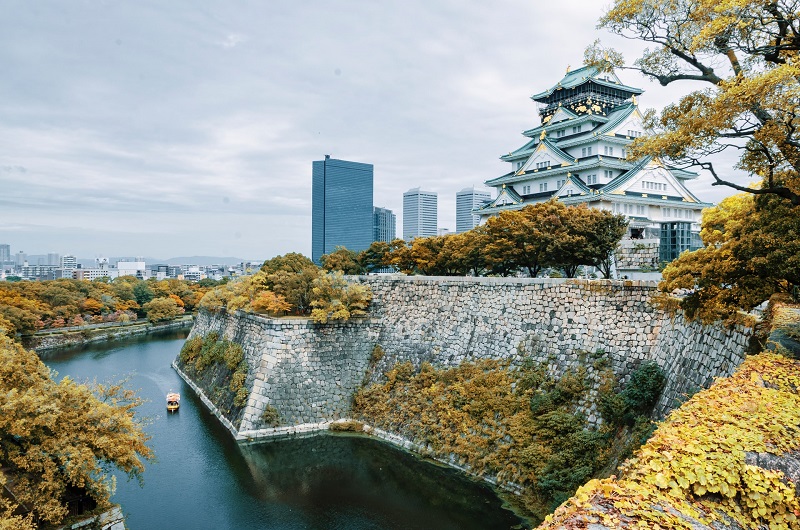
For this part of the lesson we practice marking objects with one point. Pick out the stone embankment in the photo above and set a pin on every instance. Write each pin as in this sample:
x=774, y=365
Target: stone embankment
x=309, y=372
x=64, y=339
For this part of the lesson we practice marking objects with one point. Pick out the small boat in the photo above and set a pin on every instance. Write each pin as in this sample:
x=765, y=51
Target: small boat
x=173, y=401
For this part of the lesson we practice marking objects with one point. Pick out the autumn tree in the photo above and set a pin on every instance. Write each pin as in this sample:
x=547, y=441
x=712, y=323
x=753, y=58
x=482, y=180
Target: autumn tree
x=400, y=256
x=342, y=259
x=588, y=238
x=336, y=299
x=57, y=436
x=524, y=239
x=159, y=309
x=751, y=251
x=291, y=262
x=745, y=52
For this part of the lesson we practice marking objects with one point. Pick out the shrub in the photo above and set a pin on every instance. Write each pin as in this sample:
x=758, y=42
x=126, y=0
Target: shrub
x=190, y=350
x=271, y=416
x=637, y=399
x=233, y=355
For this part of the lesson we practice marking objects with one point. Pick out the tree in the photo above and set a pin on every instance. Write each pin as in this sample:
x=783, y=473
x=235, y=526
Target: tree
x=342, y=259
x=751, y=251
x=335, y=299
x=588, y=238
x=159, y=309
x=292, y=262
x=60, y=436
x=376, y=257
x=524, y=239
x=746, y=52
x=466, y=251
x=269, y=302
x=400, y=256
x=143, y=293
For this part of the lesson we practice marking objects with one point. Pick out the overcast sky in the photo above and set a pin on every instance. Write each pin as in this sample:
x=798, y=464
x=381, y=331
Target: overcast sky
x=188, y=127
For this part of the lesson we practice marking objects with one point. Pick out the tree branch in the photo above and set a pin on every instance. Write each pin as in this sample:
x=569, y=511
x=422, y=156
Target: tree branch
x=780, y=191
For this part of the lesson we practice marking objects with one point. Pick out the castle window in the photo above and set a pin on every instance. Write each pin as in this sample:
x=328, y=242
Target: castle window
x=576, y=129
x=608, y=150
x=561, y=133
x=542, y=186
x=543, y=165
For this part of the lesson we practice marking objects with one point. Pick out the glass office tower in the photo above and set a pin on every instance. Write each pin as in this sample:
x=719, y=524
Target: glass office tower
x=341, y=206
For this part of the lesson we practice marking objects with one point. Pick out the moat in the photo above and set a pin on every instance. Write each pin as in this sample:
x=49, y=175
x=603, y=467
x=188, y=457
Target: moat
x=203, y=479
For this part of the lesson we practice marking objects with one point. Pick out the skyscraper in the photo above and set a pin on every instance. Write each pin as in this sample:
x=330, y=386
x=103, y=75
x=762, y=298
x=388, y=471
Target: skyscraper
x=341, y=206
x=5, y=254
x=467, y=200
x=384, y=224
x=420, y=213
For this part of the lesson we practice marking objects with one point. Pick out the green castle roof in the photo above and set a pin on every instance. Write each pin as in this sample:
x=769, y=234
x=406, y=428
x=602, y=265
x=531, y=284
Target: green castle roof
x=585, y=74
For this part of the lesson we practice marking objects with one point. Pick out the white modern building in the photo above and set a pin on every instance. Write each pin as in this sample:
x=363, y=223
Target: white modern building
x=69, y=263
x=133, y=268
x=467, y=200
x=420, y=213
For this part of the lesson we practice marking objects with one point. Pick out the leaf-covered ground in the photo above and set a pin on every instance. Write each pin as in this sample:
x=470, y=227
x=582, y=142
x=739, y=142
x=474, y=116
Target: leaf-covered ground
x=728, y=458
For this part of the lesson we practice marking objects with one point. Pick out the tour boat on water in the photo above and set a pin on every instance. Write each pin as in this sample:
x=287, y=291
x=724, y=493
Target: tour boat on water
x=173, y=401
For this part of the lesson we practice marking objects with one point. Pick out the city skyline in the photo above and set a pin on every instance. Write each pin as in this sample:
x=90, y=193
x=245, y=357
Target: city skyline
x=178, y=129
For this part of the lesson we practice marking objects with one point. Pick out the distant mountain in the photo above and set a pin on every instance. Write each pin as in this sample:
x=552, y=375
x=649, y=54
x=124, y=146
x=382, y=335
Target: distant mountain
x=202, y=260
x=182, y=260
x=87, y=263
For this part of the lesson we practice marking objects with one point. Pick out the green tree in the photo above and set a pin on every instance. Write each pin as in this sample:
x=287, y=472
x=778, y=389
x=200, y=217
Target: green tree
x=159, y=309
x=376, y=257
x=143, y=293
x=747, y=54
x=55, y=436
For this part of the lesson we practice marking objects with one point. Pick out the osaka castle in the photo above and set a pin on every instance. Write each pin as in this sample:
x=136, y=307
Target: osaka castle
x=578, y=155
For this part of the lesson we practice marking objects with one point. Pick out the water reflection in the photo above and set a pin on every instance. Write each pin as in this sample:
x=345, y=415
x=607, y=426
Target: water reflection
x=330, y=473
x=203, y=479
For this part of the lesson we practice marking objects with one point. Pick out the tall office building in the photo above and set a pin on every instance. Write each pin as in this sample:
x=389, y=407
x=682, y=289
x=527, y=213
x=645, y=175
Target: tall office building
x=467, y=200
x=384, y=224
x=5, y=254
x=420, y=213
x=20, y=259
x=53, y=259
x=341, y=206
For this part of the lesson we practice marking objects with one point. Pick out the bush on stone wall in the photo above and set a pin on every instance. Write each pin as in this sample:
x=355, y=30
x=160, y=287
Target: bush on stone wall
x=219, y=368
x=517, y=424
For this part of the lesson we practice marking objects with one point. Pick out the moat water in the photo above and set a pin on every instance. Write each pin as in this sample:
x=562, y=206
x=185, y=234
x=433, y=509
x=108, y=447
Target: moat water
x=203, y=479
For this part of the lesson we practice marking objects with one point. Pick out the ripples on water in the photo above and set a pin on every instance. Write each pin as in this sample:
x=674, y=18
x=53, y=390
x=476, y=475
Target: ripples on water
x=203, y=479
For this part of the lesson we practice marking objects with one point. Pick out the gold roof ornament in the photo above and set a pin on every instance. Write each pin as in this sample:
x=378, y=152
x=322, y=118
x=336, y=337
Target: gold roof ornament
x=504, y=186
x=567, y=68
x=633, y=98
x=543, y=135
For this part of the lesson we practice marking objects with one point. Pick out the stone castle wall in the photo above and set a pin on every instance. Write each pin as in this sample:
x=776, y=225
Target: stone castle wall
x=309, y=372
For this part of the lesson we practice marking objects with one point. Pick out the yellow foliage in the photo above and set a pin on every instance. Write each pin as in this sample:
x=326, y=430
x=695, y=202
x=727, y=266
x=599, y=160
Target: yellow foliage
x=56, y=435
x=694, y=466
